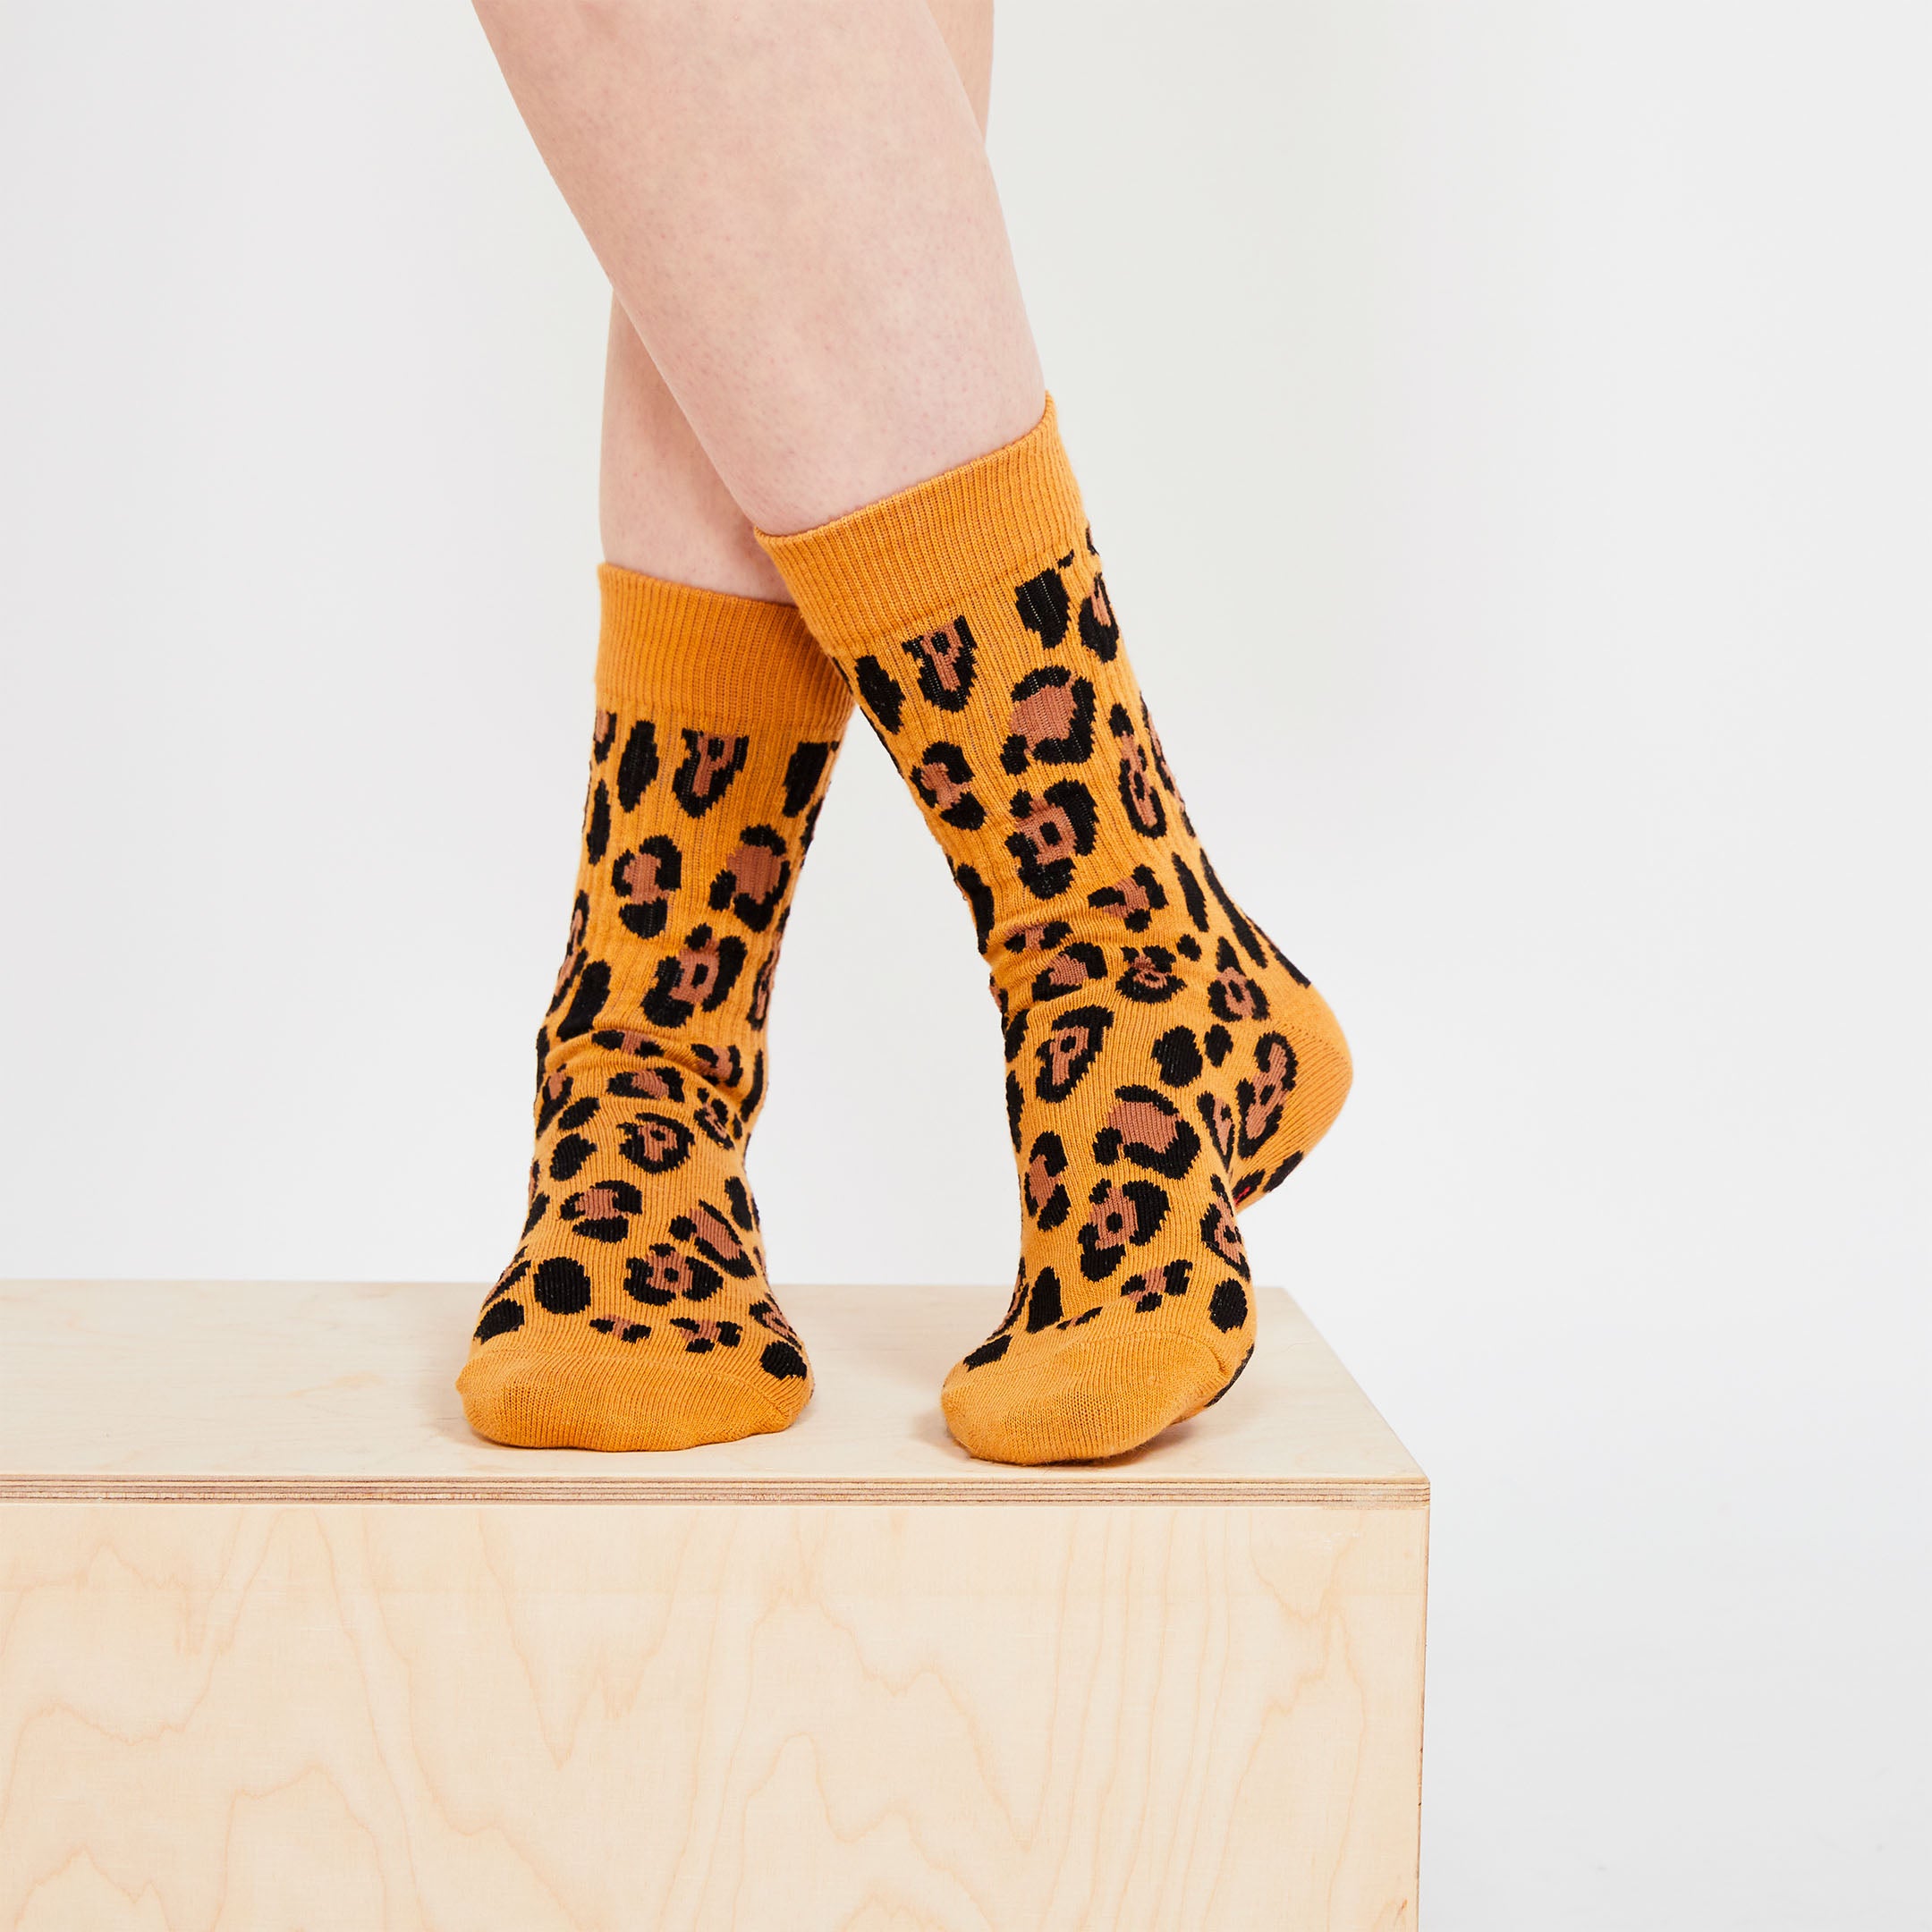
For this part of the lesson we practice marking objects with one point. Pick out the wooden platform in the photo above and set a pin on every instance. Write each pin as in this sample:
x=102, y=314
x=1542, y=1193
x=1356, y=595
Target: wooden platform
x=283, y=1644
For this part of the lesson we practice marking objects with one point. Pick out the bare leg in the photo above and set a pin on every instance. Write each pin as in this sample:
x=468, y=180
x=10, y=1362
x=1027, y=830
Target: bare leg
x=664, y=509
x=793, y=204
x=663, y=506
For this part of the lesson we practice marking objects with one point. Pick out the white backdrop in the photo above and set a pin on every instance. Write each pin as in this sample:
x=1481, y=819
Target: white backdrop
x=1508, y=429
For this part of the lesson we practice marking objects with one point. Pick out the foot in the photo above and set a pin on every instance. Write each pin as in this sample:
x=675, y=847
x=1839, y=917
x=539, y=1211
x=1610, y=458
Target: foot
x=1167, y=1064
x=635, y=1313
x=1154, y=1086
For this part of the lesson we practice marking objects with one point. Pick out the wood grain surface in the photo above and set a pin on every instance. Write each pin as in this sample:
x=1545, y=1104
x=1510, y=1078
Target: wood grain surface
x=529, y=1717
x=1190, y=1699
x=280, y=1392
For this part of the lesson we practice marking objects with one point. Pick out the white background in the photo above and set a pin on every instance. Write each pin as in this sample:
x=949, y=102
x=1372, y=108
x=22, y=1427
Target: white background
x=1507, y=427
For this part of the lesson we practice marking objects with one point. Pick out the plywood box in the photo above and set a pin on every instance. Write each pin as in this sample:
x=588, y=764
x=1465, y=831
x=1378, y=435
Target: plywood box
x=283, y=1645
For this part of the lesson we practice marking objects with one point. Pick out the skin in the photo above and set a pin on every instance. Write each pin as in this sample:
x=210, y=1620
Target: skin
x=792, y=202
x=663, y=507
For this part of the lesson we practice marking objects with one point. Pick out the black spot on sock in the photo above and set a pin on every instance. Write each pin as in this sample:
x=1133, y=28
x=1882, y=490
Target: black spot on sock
x=1192, y=894
x=563, y=1286
x=803, y=770
x=596, y=831
x=979, y=897
x=577, y=1113
x=499, y=1318
x=1014, y=1033
x=989, y=1352
x=780, y=1359
x=593, y=988
x=881, y=693
x=1286, y=964
x=603, y=1323
x=569, y=1155
x=1220, y=1043
x=1099, y=628
x=1177, y=1054
x=639, y=764
x=1016, y=1101
x=1229, y=1307
x=1044, y=605
x=739, y=1199
x=635, y=1331
x=1043, y=1304
x=1250, y=940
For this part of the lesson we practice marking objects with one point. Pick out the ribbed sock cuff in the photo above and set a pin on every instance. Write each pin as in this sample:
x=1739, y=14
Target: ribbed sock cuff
x=904, y=565
x=713, y=658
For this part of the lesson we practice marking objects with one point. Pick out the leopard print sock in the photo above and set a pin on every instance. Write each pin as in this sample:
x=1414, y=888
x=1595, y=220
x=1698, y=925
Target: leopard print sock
x=1166, y=1063
x=635, y=1313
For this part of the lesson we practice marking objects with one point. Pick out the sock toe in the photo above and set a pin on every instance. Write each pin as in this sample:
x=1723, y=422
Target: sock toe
x=1093, y=1391
x=571, y=1399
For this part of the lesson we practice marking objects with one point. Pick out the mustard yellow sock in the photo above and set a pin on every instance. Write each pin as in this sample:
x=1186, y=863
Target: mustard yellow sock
x=1166, y=1063
x=635, y=1313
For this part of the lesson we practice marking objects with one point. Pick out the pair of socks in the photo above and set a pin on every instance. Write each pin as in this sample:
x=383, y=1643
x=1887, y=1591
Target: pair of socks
x=1167, y=1064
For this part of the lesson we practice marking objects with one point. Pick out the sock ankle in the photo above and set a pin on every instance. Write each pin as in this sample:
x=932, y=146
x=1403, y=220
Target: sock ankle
x=635, y=1313
x=1167, y=1063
